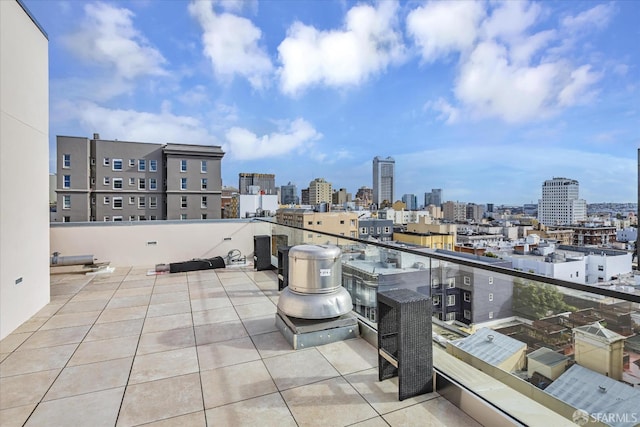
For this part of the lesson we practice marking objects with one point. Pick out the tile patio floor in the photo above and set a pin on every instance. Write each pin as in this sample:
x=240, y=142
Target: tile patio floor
x=189, y=349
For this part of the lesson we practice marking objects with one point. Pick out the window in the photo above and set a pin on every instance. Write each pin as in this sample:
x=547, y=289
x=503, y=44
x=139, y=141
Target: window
x=66, y=219
x=142, y=218
x=142, y=202
x=106, y=200
x=66, y=202
x=106, y=180
x=117, y=219
x=116, y=165
x=342, y=221
x=183, y=202
x=106, y=219
x=132, y=163
x=436, y=300
x=203, y=166
x=93, y=181
x=66, y=181
x=451, y=282
x=491, y=315
x=319, y=222
x=105, y=161
x=153, y=165
x=435, y=283
x=601, y=268
x=491, y=297
x=183, y=216
x=363, y=230
x=93, y=200
x=93, y=161
x=491, y=280
x=142, y=184
x=153, y=184
x=451, y=300
x=66, y=161
x=467, y=280
x=142, y=165
x=132, y=217
x=387, y=230
x=132, y=200
x=467, y=314
x=466, y=296
x=379, y=230
x=152, y=217
x=203, y=202
x=451, y=316
x=371, y=230
x=117, y=203
x=203, y=216
x=117, y=183
x=132, y=181
x=203, y=183
x=353, y=222
x=153, y=202
x=309, y=222
x=183, y=183
x=183, y=165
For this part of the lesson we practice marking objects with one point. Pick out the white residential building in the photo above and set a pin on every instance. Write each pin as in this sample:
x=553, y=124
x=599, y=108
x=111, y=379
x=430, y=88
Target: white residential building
x=560, y=203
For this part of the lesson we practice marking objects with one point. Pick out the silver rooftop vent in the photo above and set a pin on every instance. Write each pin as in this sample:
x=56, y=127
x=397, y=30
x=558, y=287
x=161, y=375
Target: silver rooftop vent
x=315, y=284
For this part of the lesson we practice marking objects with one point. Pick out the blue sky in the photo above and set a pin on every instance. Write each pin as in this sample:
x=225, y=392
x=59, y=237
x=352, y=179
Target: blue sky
x=485, y=100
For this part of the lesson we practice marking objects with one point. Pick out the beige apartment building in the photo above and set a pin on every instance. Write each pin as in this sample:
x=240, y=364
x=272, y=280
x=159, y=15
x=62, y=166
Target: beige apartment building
x=320, y=191
x=339, y=223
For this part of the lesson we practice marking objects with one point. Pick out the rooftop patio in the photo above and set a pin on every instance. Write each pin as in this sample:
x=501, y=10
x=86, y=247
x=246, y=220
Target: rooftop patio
x=189, y=349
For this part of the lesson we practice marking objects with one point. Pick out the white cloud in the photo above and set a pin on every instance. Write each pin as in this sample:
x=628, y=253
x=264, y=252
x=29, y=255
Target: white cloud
x=523, y=49
x=579, y=87
x=107, y=37
x=197, y=95
x=440, y=28
x=490, y=86
x=242, y=144
x=140, y=126
x=232, y=44
x=366, y=45
x=598, y=17
x=447, y=112
x=510, y=19
x=506, y=69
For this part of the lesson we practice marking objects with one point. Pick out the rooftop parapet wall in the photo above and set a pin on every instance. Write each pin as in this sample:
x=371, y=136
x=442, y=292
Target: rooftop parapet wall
x=153, y=242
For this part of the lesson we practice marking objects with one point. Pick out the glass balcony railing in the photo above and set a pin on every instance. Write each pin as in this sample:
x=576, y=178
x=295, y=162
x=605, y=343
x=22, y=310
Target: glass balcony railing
x=525, y=330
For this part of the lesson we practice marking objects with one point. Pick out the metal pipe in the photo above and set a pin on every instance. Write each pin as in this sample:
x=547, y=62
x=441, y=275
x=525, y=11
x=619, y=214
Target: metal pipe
x=57, y=260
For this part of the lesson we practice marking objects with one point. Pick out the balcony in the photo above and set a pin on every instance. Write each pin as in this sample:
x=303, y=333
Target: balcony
x=201, y=348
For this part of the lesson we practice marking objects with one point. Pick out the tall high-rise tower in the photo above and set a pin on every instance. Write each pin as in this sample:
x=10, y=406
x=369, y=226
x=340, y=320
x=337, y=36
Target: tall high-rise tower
x=383, y=180
x=560, y=203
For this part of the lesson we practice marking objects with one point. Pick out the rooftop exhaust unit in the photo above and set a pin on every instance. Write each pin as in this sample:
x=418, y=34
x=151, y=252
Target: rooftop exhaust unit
x=315, y=290
x=314, y=308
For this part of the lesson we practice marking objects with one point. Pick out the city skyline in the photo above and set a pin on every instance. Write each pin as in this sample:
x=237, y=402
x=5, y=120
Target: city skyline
x=519, y=93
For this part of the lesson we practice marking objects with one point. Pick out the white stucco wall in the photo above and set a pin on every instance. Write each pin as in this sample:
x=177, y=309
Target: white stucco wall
x=24, y=167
